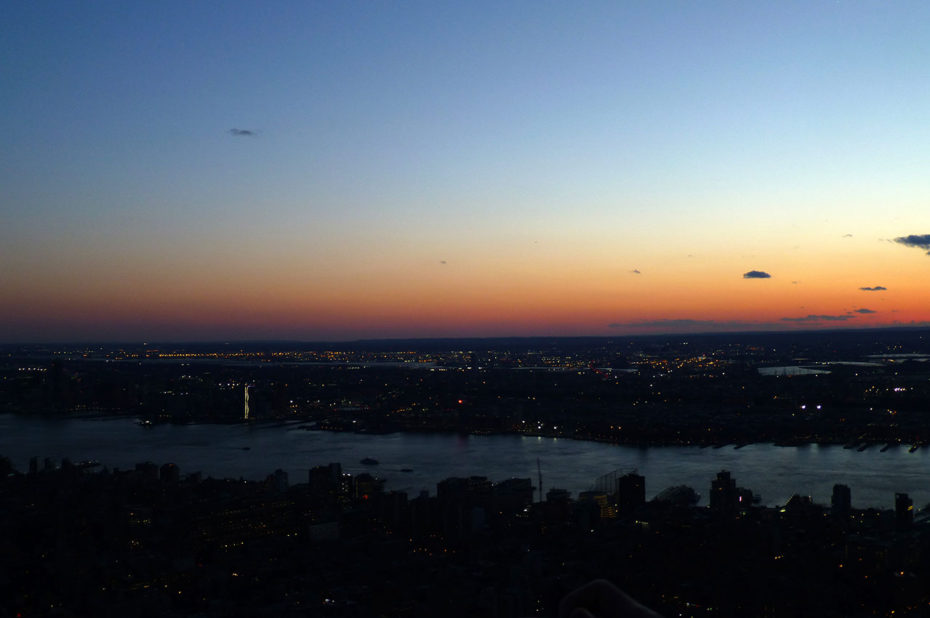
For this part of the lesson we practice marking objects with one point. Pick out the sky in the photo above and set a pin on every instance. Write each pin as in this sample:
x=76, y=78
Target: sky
x=344, y=170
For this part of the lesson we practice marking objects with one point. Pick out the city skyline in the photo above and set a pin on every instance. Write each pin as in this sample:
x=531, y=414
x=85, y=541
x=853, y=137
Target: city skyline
x=347, y=171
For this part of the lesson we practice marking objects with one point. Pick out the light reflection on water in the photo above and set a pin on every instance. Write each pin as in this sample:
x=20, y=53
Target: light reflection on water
x=253, y=451
x=790, y=371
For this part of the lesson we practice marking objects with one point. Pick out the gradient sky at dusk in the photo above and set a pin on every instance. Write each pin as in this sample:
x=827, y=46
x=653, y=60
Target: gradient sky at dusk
x=342, y=170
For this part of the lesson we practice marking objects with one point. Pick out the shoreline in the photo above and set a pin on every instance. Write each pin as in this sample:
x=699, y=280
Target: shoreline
x=862, y=444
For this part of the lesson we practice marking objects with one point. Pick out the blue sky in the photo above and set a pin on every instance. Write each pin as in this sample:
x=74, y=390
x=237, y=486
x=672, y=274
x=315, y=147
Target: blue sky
x=391, y=135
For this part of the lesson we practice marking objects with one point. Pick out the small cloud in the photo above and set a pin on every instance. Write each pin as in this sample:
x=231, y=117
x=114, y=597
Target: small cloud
x=242, y=133
x=636, y=272
x=820, y=318
x=795, y=282
x=921, y=241
x=756, y=274
x=442, y=261
x=847, y=235
x=864, y=311
x=877, y=288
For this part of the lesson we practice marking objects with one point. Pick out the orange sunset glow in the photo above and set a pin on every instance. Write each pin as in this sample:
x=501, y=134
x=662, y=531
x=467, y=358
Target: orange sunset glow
x=523, y=171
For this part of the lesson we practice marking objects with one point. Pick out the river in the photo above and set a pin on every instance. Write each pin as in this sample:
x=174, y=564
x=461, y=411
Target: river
x=252, y=451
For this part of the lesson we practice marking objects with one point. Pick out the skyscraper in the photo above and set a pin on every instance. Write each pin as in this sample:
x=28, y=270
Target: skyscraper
x=631, y=492
x=723, y=494
x=903, y=511
x=841, y=504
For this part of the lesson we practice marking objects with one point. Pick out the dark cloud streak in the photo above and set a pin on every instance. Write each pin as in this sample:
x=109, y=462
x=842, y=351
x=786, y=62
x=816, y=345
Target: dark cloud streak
x=242, y=132
x=921, y=241
x=877, y=288
x=757, y=274
x=820, y=318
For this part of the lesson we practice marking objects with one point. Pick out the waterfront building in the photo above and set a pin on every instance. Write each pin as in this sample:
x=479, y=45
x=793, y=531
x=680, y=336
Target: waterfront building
x=841, y=503
x=723, y=495
x=903, y=511
x=631, y=492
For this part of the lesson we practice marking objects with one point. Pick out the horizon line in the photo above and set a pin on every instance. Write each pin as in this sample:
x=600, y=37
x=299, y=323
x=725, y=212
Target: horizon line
x=705, y=333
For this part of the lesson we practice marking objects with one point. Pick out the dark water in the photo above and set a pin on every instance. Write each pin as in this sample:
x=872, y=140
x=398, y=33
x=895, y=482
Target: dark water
x=253, y=451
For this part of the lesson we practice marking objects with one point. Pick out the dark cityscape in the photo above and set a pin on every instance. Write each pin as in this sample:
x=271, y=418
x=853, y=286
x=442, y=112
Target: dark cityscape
x=855, y=388
x=156, y=540
x=341, y=308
